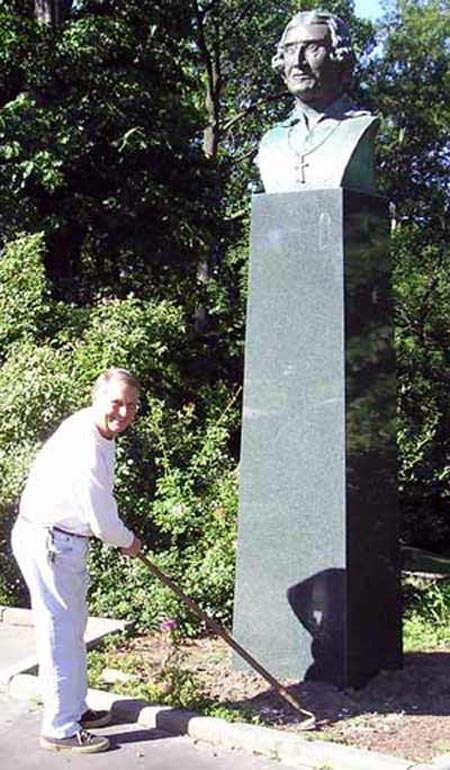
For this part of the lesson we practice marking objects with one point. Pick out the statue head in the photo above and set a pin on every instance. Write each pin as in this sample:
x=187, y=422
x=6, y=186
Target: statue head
x=315, y=58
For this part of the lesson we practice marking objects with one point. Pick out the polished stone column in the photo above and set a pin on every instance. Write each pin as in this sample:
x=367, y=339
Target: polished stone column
x=317, y=590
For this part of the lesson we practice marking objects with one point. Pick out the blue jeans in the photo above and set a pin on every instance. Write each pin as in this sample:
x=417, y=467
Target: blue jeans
x=53, y=565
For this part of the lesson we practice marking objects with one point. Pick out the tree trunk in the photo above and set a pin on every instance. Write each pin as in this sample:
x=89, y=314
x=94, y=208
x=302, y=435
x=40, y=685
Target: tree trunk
x=52, y=12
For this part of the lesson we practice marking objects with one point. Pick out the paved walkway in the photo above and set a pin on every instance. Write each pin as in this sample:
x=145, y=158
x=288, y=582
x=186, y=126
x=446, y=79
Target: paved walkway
x=133, y=748
x=17, y=648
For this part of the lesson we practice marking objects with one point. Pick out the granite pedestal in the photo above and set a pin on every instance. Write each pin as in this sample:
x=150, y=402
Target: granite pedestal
x=317, y=589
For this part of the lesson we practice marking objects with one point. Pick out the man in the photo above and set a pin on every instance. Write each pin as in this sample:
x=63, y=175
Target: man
x=326, y=141
x=68, y=498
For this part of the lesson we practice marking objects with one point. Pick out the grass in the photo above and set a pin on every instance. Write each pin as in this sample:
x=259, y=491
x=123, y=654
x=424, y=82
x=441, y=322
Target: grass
x=426, y=591
x=426, y=618
x=170, y=683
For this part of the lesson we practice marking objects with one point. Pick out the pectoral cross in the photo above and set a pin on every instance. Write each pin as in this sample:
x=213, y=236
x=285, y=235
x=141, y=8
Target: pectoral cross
x=299, y=169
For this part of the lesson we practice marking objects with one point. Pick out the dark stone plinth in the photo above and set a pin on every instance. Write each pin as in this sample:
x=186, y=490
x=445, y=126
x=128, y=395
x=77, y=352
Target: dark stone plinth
x=317, y=591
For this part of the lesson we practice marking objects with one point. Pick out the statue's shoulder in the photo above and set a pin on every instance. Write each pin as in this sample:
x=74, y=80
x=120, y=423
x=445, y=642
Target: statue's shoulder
x=278, y=132
x=347, y=109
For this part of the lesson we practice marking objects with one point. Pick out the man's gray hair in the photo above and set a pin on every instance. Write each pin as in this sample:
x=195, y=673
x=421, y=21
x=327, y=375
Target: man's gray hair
x=340, y=39
x=114, y=373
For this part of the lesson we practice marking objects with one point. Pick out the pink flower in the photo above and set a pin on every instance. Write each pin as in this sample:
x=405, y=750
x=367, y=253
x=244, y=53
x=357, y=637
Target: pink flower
x=169, y=624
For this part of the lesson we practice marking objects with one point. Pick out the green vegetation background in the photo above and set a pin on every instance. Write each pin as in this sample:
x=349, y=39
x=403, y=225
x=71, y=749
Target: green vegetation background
x=128, y=130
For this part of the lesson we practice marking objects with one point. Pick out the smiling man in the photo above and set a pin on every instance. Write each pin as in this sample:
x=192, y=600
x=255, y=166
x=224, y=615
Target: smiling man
x=68, y=498
x=326, y=141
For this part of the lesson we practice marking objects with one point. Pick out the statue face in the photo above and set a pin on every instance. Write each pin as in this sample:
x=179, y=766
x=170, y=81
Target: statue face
x=310, y=74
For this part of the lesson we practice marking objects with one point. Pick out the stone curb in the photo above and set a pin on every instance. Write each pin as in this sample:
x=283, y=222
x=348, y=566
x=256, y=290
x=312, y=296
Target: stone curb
x=295, y=751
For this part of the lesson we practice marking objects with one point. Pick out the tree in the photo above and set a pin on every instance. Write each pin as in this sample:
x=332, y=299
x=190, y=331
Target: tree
x=409, y=81
x=98, y=137
x=52, y=12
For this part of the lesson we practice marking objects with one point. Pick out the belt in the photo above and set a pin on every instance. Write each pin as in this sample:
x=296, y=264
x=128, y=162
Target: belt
x=72, y=534
x=57, y=529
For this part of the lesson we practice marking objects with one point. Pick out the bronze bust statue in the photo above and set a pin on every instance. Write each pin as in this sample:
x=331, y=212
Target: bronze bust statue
x=326, y=141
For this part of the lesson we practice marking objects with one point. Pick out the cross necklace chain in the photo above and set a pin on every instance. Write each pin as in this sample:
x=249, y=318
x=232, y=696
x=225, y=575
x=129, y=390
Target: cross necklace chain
x=300, y=162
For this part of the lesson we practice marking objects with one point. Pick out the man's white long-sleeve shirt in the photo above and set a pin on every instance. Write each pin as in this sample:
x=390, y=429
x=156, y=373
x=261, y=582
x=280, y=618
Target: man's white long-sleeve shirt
x=71, y=482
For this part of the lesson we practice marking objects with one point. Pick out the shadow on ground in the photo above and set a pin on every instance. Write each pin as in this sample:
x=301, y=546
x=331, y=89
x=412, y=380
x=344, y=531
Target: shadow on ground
x=404, y=712
x=421, y=687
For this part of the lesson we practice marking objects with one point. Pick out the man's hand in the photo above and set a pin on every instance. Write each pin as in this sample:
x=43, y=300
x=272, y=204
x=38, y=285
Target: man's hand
x=133, y=549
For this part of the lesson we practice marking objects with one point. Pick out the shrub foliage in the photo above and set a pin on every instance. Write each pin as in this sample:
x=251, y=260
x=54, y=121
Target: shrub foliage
x=176, y=479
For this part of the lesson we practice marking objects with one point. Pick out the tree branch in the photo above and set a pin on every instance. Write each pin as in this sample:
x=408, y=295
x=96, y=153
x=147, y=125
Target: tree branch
x=214, y=83
x=251, y=108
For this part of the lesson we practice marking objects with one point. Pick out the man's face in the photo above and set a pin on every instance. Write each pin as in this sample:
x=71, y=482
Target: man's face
x=310, y=74
x=115, y=407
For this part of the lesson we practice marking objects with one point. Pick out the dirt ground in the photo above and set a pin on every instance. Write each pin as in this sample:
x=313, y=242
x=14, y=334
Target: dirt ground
x=405, y=713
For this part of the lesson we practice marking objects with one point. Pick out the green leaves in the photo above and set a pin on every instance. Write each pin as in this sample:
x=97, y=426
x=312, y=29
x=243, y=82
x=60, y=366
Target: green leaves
x=23, y=292
x=410, y=81
x=176, y=482
x=97, y=140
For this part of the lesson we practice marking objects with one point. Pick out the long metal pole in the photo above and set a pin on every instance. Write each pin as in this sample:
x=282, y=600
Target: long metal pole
x=308, y=716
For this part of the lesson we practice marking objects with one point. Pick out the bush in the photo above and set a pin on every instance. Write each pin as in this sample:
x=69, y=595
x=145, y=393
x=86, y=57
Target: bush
x=176, y=479
x=426, y=622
